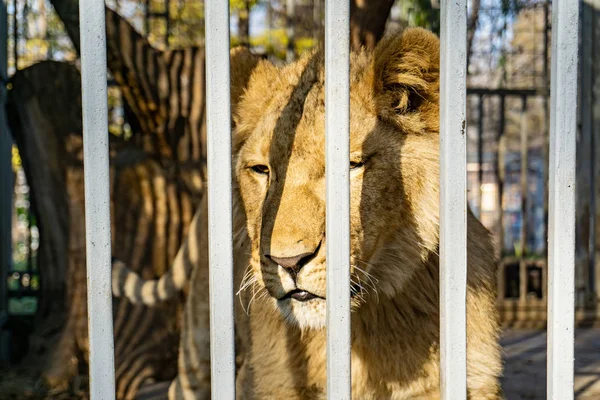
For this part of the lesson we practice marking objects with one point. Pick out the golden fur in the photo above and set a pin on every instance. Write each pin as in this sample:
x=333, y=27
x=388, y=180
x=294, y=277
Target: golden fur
x=279, y=211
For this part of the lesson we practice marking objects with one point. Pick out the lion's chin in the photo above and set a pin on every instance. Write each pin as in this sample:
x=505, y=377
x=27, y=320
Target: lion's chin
x=310, y=314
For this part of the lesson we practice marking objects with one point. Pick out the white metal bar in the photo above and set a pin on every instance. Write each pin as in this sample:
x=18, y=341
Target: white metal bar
x=218, y=122
x=97, y=198
x=453, y=199
x=561, y=223
x=337, y=110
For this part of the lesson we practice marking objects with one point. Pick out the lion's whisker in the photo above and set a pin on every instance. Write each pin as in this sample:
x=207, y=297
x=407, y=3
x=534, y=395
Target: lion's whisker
x=254, y=294
x=371, y=281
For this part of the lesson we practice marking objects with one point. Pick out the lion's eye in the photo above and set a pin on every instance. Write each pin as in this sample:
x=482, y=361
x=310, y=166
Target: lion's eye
x=260, y=169
x=356, y=164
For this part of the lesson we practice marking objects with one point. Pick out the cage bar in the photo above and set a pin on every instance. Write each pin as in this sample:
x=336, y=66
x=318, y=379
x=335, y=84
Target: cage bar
x=97, y=198
x=337, y=114
x=218, y=122
x=453, y=199
x=561, y=223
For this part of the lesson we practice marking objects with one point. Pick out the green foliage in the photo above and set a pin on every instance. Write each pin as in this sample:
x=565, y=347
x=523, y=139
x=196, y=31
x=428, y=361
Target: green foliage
x=16, y=159
x=518, y=250
x=304, y=44
x=236, y=5
x=26, y=305
x=421, y=13
x=275, y=43
x=187, y=24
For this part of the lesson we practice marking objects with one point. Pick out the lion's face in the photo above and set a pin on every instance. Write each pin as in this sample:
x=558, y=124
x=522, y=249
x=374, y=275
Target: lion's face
x=280, y=172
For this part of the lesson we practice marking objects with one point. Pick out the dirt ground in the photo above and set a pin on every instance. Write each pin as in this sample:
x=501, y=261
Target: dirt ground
x=524, y=371
x=525, y=364
x=21, y=383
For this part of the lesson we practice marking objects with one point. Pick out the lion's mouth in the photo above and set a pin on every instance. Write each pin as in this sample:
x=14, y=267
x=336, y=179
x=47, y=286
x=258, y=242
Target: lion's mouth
x=304, y=295
x=300, y=295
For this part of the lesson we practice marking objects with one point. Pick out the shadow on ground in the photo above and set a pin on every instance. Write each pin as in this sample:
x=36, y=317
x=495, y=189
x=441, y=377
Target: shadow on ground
x=525, y=364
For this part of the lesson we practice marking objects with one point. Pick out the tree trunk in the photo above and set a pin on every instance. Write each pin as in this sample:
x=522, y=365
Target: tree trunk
x=472, y=24
x=41, y=127
x=151, y=210
x=244, y=24
x=290, y=30
x=165, y=92
x=367, y=22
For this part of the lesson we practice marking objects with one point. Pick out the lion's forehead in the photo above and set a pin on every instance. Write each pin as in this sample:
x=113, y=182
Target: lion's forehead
x=289, y=129
x=281, y=133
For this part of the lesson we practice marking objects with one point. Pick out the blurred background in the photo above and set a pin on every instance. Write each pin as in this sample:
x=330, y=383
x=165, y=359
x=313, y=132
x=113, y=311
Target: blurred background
x=157, y=148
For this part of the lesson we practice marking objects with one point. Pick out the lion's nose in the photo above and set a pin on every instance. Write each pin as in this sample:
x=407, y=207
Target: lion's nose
x=293, y=264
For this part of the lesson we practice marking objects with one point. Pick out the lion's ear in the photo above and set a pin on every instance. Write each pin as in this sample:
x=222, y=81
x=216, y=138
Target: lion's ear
x=406, y=81
x=242, y=63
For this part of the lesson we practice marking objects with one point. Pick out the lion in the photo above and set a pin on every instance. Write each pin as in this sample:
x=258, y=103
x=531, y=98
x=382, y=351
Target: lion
x=280, y=241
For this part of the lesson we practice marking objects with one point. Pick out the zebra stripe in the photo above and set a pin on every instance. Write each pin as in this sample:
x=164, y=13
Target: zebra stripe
x=165, y=91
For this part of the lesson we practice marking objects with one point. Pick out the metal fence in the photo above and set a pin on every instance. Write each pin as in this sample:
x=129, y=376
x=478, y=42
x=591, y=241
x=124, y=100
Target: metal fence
x=453, y=199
